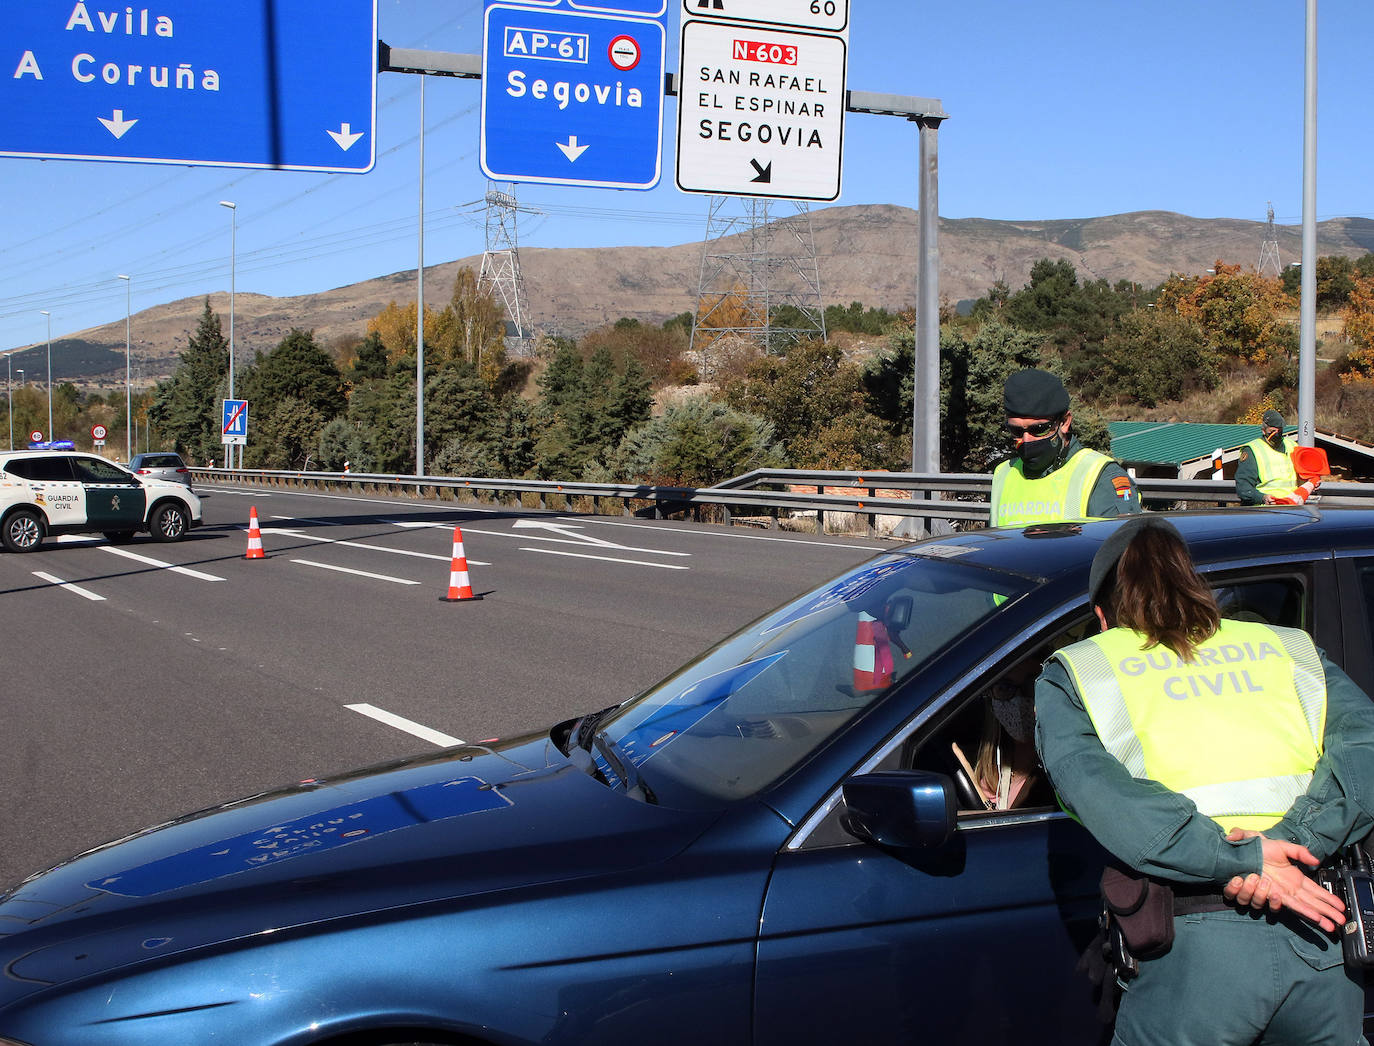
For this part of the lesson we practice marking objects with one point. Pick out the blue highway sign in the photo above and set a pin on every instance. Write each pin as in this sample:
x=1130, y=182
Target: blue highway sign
x=236, y=83
x=235, y=422
x=573, y=97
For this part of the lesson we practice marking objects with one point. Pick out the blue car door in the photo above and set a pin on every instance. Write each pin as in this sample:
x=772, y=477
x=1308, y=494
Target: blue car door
x=973, y=942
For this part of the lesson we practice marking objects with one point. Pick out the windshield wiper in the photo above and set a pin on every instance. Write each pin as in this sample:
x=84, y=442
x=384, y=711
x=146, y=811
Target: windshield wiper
x=635, y=787
x=580, y=733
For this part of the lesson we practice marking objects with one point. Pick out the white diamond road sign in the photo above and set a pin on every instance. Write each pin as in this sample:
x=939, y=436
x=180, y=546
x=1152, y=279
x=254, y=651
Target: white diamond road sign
x=234, y=83
x=830, y=16
x=573, y=97
x=760, y=111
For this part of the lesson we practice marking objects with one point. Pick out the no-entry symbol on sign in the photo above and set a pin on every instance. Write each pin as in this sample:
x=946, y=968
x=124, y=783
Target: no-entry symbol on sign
x=624, y=53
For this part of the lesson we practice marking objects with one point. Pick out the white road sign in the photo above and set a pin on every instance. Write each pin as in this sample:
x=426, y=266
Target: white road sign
x=760, y=112
x=830, y=16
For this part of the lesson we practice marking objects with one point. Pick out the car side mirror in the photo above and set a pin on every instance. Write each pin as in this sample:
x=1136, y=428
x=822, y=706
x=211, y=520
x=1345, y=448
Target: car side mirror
x=900, y=809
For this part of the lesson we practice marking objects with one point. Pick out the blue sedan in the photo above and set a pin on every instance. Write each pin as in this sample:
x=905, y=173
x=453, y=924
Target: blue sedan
x=789, y=840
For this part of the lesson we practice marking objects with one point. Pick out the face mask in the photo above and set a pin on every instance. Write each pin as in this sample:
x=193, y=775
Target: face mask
x=1037, y=455
x=1015, y=712
x=1275, y=441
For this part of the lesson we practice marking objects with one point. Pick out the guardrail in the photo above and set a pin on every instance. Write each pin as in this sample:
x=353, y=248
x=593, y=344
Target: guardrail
x=931, y=501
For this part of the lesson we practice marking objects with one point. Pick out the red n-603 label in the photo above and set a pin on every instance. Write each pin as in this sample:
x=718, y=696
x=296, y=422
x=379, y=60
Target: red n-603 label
x=761, y=51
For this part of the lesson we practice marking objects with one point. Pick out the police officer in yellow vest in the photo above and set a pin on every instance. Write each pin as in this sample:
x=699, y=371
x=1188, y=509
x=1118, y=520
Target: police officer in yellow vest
x=1177, y=738
x=1052, y=477
x=1265, y=475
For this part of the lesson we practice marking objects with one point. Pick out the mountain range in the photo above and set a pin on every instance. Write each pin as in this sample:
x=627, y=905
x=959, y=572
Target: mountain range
x=864, y=253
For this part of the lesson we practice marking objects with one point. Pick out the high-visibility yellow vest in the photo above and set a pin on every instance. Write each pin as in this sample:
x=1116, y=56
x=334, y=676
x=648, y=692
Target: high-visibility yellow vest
x=1238, y=730
x=1063, y=494
x=1277, y=476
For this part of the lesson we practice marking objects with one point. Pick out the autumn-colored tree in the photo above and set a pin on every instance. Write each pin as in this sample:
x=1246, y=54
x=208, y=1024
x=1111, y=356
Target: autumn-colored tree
x=1359, y=331
x=471, y=328
x=1241, y=312
x=395, y=325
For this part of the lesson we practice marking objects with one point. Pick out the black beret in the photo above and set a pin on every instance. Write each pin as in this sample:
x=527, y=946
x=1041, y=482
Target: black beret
x=1104, y=563
x=1035, y=394
x=1273, y=418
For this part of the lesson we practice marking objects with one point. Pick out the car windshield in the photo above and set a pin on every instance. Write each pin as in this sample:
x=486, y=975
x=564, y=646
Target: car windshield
x=749, y=710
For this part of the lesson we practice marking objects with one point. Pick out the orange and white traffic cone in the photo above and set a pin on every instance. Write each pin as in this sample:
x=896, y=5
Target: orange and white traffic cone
x=873, y=666
x=459, y=585
x=254, y=536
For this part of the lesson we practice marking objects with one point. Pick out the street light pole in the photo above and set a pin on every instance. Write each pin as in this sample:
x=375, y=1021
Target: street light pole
x=9, y=392
x=128, y=369
x=233, y=266
x=46, y=313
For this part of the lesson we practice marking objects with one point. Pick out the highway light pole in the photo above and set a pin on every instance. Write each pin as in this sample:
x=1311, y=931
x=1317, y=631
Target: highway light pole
x=9, y=392
x=233, y=268
x=46, y=313
x=128, y=369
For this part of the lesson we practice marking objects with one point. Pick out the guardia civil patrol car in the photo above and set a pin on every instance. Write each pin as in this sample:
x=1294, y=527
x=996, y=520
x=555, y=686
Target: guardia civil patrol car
x=45, y=492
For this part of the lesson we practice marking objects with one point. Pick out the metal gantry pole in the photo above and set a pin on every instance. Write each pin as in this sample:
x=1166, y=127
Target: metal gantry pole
x=1307, y=323
x=48, y=314
x=233, y=271
x=420, y=307
x=128, y=369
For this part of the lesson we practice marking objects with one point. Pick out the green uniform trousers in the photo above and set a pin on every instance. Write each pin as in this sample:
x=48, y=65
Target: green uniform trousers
x=1236, y=979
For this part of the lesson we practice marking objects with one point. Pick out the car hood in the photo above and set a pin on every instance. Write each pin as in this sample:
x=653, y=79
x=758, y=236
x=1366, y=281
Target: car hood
x=446, y=829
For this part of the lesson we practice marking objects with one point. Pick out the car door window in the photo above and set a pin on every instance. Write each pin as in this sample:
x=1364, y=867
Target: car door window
x=96, y=470
x=43, y=470
x=986, y=745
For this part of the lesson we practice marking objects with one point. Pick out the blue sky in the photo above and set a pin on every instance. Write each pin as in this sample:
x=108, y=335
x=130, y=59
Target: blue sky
x=1058, y=109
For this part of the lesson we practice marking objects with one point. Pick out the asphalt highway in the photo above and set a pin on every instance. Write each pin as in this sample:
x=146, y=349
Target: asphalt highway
x=148, y=680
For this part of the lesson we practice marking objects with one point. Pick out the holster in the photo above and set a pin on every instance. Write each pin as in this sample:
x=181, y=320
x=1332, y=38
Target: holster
x=1138, y=918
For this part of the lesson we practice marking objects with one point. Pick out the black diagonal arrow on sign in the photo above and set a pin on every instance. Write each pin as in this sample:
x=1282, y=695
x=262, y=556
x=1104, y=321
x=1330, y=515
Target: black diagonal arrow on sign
x=765, y=174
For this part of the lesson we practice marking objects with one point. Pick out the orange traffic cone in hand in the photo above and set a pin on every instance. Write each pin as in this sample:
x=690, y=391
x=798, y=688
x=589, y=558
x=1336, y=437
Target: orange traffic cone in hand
x=254, y=536
x=459, y=585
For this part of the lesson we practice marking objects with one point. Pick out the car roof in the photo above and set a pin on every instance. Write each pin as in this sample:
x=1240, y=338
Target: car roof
x=1215, y=537
x=5, y=455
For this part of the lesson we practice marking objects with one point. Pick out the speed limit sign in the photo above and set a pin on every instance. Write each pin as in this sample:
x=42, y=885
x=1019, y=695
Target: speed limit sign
x=98, y=432
x=35, y=436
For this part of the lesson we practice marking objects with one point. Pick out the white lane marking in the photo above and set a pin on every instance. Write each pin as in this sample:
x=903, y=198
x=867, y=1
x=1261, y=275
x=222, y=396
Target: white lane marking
x=372, y=548
x=607, y=559
x=359, y=573
x=307, y=519
x=574, y=532
x=242, y=493
x=573, y=539
x=740, y=536
x=198, y=575
x=407, y=725
x=94, y=597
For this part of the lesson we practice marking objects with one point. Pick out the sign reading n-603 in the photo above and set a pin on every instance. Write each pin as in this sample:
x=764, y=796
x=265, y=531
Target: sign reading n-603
x=830, y=16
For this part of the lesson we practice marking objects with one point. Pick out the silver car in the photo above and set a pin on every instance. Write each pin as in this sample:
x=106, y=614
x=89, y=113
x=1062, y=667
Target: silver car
x=161, y=465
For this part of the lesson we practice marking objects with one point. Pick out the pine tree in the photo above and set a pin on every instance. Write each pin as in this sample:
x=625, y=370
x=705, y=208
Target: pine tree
x=186, y=408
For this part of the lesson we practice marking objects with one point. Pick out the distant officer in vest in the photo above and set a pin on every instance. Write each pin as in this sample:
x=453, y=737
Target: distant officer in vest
x=1052, y=477
x=1225, y=759
x=1265, y=475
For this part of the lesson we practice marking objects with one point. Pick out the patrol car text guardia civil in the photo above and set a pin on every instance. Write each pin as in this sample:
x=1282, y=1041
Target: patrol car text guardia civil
x=47, y=492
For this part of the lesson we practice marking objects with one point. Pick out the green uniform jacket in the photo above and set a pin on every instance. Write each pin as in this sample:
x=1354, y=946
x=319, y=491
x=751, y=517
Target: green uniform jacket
x=1248, y=477
x=1159, y=832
